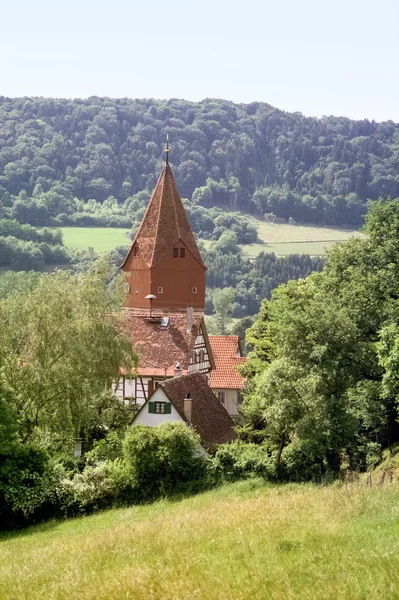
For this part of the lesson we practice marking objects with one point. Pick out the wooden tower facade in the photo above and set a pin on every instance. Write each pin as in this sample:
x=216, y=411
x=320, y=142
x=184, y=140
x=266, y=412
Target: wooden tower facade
x=164, y=260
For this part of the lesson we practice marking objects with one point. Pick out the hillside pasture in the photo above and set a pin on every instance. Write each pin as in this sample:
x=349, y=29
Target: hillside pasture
x=241, y=541
x=284, y=239
x=280, y=239
x=101, y=239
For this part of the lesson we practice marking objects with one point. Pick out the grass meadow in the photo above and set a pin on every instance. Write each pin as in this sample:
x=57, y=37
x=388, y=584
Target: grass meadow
x=280, y=239
x=101, y=239
x=244, y=541
x=283, y=239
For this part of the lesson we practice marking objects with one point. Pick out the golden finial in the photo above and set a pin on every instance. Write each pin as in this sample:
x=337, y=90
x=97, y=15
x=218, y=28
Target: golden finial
x=167, y=149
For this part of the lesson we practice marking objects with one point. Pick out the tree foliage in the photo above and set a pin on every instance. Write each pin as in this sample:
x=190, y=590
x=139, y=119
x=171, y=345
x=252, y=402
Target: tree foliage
x=79, y=160
x=61, y=345
x=322, y=381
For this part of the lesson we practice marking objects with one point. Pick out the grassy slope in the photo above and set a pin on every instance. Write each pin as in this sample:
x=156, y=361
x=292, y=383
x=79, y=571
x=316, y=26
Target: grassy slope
x=296, y=239
x=281, y=239
x=243, y=541
x=101, y=239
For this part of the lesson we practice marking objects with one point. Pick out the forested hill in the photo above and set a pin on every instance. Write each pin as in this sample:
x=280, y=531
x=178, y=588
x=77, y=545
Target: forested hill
x=250, y=157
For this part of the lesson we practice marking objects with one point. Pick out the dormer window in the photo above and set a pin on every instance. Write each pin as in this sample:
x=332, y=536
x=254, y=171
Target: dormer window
x=182, y=252
x=175, y=252
x=136, y=251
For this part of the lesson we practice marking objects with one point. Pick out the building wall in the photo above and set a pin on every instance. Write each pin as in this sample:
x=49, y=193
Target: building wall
x=199, y=360
x=231, y=400
x=151, y=419
x=138, y=277
x=135, y=390
x=176, y=276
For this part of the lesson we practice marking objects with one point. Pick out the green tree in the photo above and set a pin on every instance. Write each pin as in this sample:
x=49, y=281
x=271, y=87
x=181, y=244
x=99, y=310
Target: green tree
x=222, y=303
x=62, y=343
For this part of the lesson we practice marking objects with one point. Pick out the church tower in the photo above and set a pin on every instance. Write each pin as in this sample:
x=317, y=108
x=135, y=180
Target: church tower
x=164, y=261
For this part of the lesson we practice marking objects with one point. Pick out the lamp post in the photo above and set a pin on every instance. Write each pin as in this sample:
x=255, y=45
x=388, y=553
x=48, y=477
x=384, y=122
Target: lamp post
x=150, y=297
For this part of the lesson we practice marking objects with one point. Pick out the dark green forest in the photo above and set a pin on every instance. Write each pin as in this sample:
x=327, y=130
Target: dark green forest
x=95, y=161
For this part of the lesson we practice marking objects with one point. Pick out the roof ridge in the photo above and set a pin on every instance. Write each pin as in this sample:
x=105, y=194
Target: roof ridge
x=175, y=210
x=159, y=215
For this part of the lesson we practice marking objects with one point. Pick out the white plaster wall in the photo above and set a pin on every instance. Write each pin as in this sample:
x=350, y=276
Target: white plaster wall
x=151, y=419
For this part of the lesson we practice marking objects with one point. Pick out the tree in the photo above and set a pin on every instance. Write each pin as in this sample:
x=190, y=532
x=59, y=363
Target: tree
x=222, y=301
x=62, y=342
x=323, y=371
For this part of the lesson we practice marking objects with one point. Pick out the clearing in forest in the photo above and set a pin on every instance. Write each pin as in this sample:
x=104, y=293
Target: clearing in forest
x=101, y=239
x=283, y=239
x=248, y=540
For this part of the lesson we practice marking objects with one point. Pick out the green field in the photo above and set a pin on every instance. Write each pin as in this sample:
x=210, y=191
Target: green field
x=296, y=239
x=101, y=239
x=280, y=239
x=245, y=541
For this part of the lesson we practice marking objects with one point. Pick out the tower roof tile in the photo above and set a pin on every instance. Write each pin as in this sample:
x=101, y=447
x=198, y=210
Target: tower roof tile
x=164, y=223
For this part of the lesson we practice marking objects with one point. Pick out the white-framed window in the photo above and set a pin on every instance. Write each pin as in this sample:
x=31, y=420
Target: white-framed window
x=195, y=290
x=160, y=290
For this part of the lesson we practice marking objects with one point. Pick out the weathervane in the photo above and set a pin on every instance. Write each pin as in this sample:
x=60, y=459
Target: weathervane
x=167, y=150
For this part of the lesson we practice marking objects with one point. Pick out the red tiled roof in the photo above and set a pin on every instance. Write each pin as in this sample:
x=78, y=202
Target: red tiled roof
x=160, y=348
x=164, y=223
x=225, y=375
x=208, y=417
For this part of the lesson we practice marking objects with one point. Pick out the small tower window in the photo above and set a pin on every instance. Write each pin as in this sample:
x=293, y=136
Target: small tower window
x=195, y=290
x=175, y=252
x=160, y=290
x=182, y=252
x=136, y=251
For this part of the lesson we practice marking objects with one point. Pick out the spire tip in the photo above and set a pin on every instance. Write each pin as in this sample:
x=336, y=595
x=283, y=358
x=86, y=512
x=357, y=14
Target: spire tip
x=167, y=150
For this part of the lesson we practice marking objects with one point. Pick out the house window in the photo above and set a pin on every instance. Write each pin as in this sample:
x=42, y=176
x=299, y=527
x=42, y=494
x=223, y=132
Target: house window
x=136, y=251
x=195, y=290
x=160, y=408
x=160, y=290
x=175, y=252
x=221, y=395
x=182, y=252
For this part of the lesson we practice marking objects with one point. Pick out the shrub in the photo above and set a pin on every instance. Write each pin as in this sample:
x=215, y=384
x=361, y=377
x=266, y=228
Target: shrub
x=164, y=459
x=99, y=486
x=240, y=460
x=109, y=448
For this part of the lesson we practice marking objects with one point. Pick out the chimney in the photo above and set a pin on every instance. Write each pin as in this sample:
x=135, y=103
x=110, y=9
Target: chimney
x=187, y=407
x=189, y=324
x=178, y=371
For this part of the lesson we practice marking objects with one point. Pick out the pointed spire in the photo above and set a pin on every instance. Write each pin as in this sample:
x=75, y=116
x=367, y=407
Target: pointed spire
x=167, y=150
x=164, y=223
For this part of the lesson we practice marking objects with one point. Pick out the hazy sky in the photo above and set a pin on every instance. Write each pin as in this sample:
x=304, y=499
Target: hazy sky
x=313, y=56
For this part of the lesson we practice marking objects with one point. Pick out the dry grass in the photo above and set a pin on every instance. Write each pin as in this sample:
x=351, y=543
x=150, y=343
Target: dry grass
x=243, y=541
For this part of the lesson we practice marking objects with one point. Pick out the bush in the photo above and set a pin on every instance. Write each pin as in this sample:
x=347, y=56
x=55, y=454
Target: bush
x=27, y=486
x=109, y=448
x=165, y=459
x=99, y=486
x=240, y=460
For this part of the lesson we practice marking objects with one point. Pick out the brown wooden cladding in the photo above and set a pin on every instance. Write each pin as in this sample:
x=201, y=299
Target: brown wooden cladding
x=172, y=281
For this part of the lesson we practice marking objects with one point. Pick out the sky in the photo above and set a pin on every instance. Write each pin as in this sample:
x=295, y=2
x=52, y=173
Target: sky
x=317, y=57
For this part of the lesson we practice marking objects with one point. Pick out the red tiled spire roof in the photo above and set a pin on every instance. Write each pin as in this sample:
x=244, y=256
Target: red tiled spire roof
x=164, y=223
